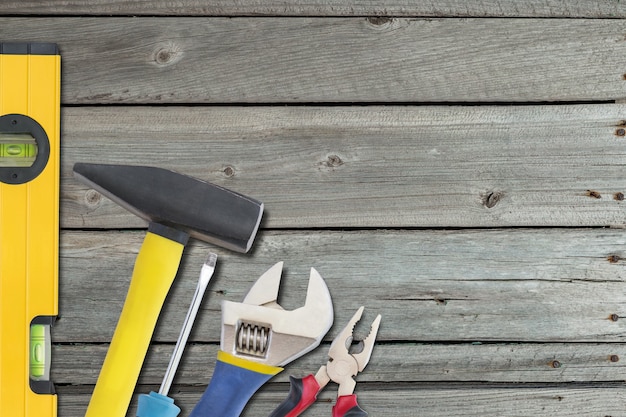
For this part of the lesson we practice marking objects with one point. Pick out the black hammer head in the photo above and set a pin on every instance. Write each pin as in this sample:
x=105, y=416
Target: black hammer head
x=203, y=210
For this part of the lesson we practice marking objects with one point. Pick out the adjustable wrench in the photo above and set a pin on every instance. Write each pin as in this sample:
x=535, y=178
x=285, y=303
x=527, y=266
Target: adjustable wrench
x=259, y=337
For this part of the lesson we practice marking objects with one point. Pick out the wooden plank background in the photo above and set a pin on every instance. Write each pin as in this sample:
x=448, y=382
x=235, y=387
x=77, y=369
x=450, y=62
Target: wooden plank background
x=454, y=166
x=444, y=8
x=304, y=60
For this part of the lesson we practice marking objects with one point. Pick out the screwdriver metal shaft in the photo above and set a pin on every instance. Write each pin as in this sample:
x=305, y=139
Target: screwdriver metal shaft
x=205, y=276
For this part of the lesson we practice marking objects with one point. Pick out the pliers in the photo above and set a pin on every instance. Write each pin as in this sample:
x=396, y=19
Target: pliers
x=341, y=368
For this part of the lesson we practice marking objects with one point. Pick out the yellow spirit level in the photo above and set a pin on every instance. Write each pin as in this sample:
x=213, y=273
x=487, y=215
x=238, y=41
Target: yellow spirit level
x=29, y=225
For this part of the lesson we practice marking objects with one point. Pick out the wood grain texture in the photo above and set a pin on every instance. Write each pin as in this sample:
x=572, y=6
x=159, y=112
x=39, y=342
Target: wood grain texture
x=348, y=60
x=399, y=363
x=445, y=8
x=475, y=230
x=425, y=401
x=373, y=166
x=547, y=285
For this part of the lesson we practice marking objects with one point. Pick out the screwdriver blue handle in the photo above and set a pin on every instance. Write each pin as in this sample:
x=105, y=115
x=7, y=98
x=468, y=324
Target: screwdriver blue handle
x=156, y=405
x=234, y=382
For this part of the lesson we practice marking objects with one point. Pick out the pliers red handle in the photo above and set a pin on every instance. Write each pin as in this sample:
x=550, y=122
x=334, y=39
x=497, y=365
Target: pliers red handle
x=341, y=368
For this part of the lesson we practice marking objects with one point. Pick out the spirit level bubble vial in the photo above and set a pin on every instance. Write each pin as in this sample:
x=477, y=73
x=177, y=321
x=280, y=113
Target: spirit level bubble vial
x=29, y=225
x=17, y=150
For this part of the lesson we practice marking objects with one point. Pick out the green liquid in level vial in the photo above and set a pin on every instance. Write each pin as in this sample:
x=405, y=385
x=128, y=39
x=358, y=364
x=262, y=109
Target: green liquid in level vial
x=17, y=150
x=38, y=351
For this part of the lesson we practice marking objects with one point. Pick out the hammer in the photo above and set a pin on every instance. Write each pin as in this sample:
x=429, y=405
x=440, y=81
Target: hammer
x=176, y=207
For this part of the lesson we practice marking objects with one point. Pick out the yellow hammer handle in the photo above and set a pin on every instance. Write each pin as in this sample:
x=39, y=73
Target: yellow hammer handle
x=155, y=269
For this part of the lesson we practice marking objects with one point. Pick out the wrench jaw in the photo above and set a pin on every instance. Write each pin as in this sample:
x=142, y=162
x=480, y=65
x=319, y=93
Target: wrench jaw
x=264, y=291
x=260, y=330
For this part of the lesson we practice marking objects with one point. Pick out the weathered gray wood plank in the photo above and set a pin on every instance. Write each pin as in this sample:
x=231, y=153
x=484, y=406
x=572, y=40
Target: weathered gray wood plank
x=547, y=285
x=531, y=296
x=499, y=8
x=426, y=401
x=390, y=363
x=295, y=60
x=392, y=166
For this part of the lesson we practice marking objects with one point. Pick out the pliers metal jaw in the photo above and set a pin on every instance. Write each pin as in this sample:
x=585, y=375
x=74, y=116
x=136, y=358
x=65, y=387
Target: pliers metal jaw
x=341, y=368
x=258, y=337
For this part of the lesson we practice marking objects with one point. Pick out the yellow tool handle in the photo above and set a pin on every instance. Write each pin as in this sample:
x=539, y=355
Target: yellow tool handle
x=155, y=269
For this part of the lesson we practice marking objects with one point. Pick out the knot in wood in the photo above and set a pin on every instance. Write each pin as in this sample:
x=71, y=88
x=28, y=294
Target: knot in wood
x=334, y=161
x=163, y=56
x=379, y=20
x=331, y=162
x=614, y=259
x=491, y=198
x=93, y=198
x=167, y=54
x=229, y=171
x=594, y=194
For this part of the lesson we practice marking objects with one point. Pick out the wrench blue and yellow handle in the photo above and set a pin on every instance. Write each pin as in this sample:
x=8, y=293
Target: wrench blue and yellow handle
x=234, y=382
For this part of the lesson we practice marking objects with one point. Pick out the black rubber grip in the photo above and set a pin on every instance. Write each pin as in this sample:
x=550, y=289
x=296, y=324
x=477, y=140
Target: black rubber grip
x=293, y=399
